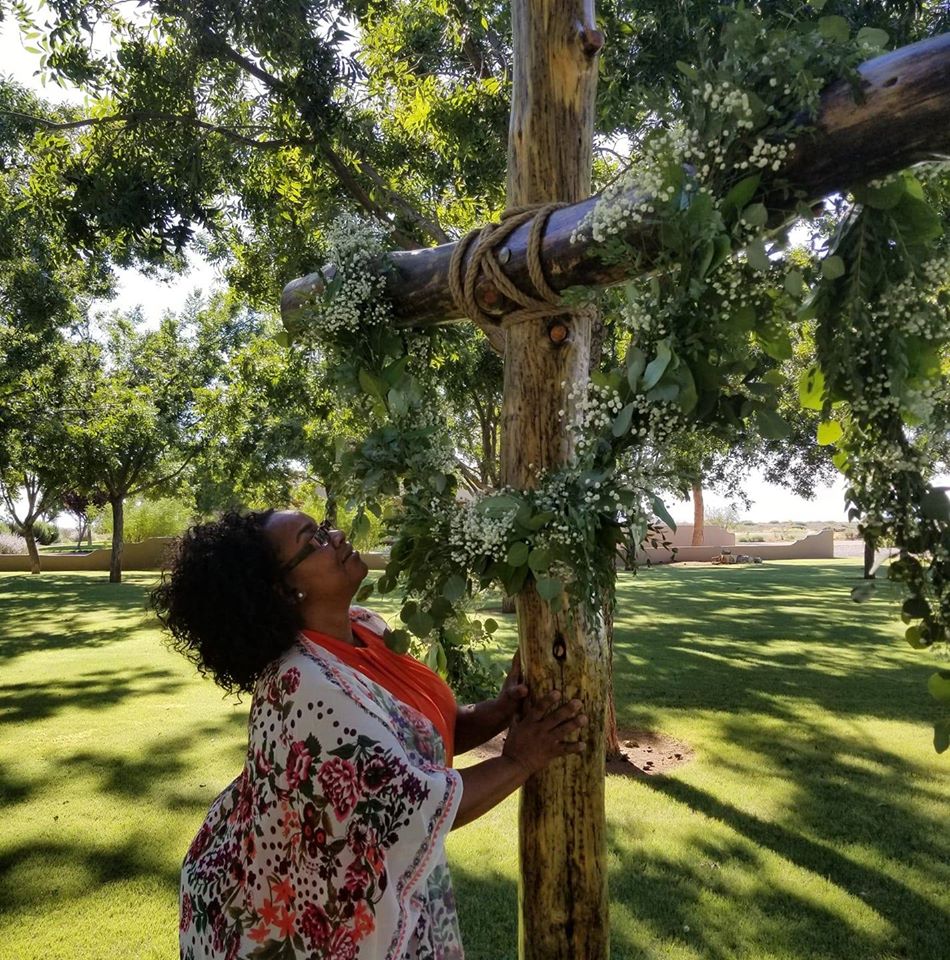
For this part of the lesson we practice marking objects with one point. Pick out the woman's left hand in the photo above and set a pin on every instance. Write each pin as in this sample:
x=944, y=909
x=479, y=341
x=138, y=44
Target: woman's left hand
x=513, y=691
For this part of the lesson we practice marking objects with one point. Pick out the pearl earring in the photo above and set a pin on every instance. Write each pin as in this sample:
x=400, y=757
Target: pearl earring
x=300, y=596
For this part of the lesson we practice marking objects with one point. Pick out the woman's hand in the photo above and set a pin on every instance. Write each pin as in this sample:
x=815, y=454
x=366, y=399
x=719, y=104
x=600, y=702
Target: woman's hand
x=513, y=692
x=545, y=732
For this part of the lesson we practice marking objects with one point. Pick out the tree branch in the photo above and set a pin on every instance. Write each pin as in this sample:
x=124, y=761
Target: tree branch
x=347, y=177
x=903, y=119
x=135, y=116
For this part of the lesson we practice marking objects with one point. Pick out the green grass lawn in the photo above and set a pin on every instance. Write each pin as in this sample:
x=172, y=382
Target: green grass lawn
x=811, y=824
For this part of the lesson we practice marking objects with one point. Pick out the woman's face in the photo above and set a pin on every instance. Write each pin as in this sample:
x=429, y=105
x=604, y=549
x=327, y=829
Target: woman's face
x=325, y=571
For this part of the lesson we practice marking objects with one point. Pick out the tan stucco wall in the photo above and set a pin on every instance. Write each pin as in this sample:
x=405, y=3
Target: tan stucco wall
x=147, y=555
x=816, y=546
x=683, y=535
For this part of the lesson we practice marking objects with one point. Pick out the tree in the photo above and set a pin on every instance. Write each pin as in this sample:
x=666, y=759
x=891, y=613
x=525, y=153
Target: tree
x=133, y=431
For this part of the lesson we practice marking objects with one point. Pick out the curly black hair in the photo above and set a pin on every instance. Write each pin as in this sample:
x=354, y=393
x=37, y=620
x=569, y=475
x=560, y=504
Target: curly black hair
x=224, y=600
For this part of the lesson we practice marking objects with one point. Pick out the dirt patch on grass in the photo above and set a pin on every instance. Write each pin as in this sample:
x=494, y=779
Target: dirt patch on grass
x=646, y=753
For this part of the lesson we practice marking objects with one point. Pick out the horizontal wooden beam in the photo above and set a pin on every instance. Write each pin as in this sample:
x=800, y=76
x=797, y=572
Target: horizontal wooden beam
x=903, y=118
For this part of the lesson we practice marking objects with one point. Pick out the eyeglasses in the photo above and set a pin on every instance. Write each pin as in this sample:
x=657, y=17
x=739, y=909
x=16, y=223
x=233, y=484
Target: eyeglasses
x=319, y=538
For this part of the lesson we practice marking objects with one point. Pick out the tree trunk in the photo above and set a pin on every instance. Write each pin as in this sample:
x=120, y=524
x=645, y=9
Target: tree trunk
x=118, y=539
x=612, y=749
x=698, y=515
x=31, y=548
x=509, y=605
x=563, y=891
x=868, y=560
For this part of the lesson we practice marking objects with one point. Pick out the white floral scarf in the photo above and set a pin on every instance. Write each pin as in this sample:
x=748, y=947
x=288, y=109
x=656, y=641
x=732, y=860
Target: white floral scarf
x=330, y=844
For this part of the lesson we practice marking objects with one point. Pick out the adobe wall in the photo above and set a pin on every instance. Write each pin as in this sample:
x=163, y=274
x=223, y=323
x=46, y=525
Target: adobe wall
x=816, y=546
x=147, y=555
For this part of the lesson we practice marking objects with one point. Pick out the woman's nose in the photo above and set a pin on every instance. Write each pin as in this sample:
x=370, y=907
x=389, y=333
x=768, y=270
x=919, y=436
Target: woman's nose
x=337, y=537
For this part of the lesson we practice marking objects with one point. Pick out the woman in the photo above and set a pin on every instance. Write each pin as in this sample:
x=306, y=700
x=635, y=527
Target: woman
x=330, y=844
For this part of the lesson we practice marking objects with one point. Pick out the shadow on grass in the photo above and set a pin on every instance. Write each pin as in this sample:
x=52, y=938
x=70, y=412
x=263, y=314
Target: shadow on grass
x=488, y=912
x=48, y=873
x=62, y=611
x=664, y=893
x=89, y=691
x=160, y=769
x=757, y=638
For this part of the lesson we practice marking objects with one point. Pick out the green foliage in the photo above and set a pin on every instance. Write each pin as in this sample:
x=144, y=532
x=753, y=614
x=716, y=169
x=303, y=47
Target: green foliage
x=728, y=291
x=162, y=517
x=45, y=532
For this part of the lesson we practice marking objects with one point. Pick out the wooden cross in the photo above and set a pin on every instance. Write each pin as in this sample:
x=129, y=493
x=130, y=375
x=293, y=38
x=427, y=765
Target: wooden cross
x=904, y=118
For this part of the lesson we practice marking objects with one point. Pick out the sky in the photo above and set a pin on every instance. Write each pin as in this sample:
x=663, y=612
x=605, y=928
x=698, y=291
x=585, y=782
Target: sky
x=154, y=297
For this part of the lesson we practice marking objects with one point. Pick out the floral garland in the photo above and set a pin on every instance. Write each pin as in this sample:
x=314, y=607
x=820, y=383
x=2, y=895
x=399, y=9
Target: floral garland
x=877, y=301
x=709, y=331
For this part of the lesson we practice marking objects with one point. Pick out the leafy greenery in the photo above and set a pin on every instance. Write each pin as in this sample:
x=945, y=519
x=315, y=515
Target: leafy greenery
x=715, y=322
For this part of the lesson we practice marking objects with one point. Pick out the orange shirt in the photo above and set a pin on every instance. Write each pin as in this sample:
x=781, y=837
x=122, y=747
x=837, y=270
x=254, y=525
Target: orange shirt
x=404, y=677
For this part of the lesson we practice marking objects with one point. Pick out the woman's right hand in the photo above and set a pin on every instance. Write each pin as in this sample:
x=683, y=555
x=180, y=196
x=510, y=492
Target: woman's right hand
x=545, y=732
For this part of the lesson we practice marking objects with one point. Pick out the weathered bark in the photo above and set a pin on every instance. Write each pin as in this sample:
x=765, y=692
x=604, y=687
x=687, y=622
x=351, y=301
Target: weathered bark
x=118, y=539
x=868, y=560
x=612, y=749
x=508, y=605
x=30, y=537
x=903, y=119
x=563, y=890
x=699, y=515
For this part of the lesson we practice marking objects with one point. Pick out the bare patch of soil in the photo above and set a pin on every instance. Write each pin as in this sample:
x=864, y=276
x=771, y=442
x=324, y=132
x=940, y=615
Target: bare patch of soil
x=646, y=753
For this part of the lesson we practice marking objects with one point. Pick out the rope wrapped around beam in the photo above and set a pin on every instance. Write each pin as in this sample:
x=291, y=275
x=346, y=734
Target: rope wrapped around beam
x=485, y=242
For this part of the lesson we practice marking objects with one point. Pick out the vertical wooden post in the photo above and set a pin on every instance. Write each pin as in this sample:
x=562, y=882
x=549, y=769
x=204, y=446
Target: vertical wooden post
x=563, y=892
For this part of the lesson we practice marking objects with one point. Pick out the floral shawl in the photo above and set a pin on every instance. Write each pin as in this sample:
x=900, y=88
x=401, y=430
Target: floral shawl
x=330, y=844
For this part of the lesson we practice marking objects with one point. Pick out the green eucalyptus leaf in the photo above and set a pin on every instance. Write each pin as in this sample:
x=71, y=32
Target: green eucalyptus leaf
x=834, y=28
x=420, y=624
x=372, y=385
x=915, y=607
x=941, y=735
x=885, y=197
x=832, y=268
x=549, y=588
x=540, y=519
x=863, y=592
x=935, y=505
x=873, y=37
x=397, y=402
x=636, y=364
x=757, y=256
x=365, y=591
x=517, y=554
x=755, y=215
x=398, y=640
x=454, y=588
x=489, y=625
x=740, y=195
x=657, y=366
x=499, y=505
x=659, y=508
x=539, y=560
x=621, y=424
x=688, y=71
x=795, y=283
